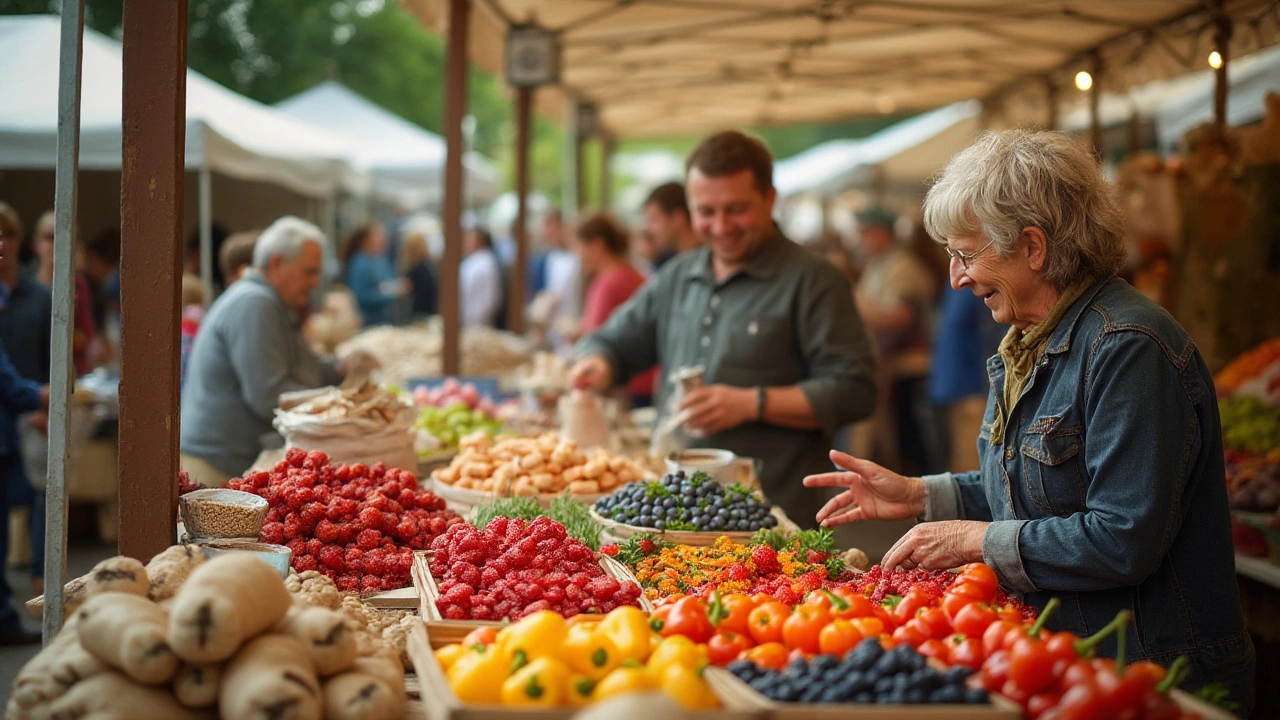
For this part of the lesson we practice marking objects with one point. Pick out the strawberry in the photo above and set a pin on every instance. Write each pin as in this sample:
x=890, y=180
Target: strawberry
x=647, y=547
x=739, y=572
x=766, y=560
x=815, y=557
x=611, y=549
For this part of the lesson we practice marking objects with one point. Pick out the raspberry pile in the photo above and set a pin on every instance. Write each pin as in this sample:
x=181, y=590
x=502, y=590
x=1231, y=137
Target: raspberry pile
x=513, y=568
x=878, y=583
x=359, y=525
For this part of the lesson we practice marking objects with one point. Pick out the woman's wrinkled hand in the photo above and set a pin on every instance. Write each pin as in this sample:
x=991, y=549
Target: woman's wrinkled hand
x=938, y=545
x=872, y=492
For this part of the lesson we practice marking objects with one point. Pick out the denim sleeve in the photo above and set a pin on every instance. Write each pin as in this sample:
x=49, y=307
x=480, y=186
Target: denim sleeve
x=1142, y=435
x=955, y=496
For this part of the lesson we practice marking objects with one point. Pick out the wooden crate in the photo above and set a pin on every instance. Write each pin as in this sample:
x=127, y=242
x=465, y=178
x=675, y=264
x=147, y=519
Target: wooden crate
x=737, y=694
x=429, y=592
x=441, y=704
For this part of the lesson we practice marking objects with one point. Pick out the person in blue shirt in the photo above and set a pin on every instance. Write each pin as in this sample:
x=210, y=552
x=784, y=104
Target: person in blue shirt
x=18, y=396
x=371, y=277
x=966, y=336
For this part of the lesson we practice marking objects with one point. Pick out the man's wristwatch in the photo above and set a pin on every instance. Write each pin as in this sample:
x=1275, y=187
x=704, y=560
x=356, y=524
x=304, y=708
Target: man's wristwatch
x=760, y=403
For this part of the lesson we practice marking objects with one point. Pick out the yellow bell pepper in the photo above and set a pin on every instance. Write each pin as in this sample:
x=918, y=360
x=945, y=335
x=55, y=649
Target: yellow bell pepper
x=590, y=652
x=476, y=676
x=629, y=630
x=448, y=654
x=687, y=687
x=543, y=682
x=538, y=635
x=624, y=681
x=678, y=650
x=579, y=690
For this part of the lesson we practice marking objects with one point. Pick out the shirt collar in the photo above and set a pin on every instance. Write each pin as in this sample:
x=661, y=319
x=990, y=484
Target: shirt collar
x=1060, y=340
x=762, y=266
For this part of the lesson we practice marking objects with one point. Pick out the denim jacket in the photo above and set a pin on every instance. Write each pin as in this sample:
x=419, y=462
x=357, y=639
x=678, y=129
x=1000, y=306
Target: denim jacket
x=1109, y=491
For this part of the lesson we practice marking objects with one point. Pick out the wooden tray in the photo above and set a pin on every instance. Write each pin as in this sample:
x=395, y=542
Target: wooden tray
x=429, y=591
x=442, y=704
x=739, y=695
x=619, y=532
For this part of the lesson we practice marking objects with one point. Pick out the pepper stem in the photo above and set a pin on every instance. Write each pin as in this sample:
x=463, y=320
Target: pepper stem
x=1177, y=671
x=716, y=611
x=1084, y=648
x=1044, y=615
x=837, y=602
x=1121, y=634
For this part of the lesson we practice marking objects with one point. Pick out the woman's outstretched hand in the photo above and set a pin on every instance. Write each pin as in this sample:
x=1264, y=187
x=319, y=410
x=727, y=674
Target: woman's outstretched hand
x=871, y=492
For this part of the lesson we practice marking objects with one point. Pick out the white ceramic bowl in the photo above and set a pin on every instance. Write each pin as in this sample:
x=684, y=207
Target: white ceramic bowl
x=719, y=464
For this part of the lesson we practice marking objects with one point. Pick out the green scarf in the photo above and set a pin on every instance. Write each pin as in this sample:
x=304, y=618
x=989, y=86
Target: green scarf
x=1021, y=349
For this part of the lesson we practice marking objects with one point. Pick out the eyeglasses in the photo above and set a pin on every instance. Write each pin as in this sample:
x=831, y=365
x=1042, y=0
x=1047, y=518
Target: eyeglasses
x=965, y=258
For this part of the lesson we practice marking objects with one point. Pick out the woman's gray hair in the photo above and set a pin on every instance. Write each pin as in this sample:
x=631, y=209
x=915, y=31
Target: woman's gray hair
x=1010, y=180
x=285, y=238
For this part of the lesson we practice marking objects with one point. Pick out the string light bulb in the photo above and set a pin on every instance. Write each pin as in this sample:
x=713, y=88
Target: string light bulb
x=1084, y=80
x=1215, y=60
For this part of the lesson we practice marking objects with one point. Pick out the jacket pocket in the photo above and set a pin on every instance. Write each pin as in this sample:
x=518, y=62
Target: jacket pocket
x=1052, y=474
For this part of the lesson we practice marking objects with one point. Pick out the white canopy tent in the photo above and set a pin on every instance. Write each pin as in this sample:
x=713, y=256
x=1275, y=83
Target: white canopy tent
x=405, y=162
x=226, y=133
x=1249, y=79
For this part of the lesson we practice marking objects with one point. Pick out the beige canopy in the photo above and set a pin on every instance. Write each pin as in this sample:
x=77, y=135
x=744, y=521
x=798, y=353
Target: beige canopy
x=662, y=67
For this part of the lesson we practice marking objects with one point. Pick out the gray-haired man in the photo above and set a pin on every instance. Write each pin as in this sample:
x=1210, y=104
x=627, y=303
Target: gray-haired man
x=249, y=350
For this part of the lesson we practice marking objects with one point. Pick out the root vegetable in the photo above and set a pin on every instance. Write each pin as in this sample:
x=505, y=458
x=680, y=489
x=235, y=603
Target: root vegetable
x=360, y=696
x=128, y=632
x=271, y=678
x=118, y=574
x=225, y=602
x=196, y=686
x=112, y=696
x=324, y=635
x=385, y=665
x=60, y=665
x=170, y=569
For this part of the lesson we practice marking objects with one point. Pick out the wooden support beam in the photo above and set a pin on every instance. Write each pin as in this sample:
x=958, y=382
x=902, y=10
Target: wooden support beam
x=1095, y=97
x=455, y=108
x=1052, y=94
x=607, y=146
x=524, y=122
x=1222, y=43
x=151, y=241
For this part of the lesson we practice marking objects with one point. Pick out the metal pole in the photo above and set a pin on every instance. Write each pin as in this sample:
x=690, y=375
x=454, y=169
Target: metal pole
x=1095, y=96
x=206, y=232
x=569, y=160
x=330, y=226
x=607, y=145
x=455, y=107
x=520, y=231
x=151, y=192
x=1222, y=43
x=64, y=203
x=1051, y=99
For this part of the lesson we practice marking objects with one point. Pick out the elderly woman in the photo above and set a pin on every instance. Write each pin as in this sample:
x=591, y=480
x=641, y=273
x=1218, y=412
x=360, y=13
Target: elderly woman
x=1101, y=468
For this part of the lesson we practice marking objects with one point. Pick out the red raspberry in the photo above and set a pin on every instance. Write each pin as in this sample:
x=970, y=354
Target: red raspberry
x=554, y=595
x=739, y=572
x=347, y=582
x=451, y=612
x=370, y=518
x=407, y=529
x=272, y=532
x=807, y=583
x=766, y=560
x=603, y=587
x=303, y=563
x=331, y=557
x=295, y=457
x=292, y=526
x=297, y=546
x=815, y=557
x=314, y=545
x=370, y=583
x=369, y=539
x=316, y=459
x=347, y=533
x=326, y=531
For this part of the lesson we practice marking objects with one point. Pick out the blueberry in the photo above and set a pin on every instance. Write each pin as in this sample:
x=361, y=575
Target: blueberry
x=812, y=694
x=947, y=695
x=864, y=698
x=975, y=696
x=883, y=685
x=916, y=696
x=789, y=692
x=831, y=695
x=797, y=665
x=738, y=666
x=824, y=663
x=659, y=525
x=958, y=674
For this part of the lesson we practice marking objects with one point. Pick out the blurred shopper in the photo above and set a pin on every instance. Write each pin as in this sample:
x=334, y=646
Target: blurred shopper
x=370, y=275
x=236, y=255
x=415, y=263
x=18, y=396
x=192, y=314
x=101, y=268
x=895, y=297
x=84, y=334
x=480, y=286
x=667, y=224
x=967, y=335
x=249, y=350
x=26, y=332
x=785, y=358
x=602, y=246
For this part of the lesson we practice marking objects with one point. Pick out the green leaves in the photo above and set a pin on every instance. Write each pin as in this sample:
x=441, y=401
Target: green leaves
x=575, y=516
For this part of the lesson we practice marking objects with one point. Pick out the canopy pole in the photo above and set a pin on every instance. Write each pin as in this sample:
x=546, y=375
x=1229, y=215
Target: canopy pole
x=1222, y=43
x=206, y=232
x=607, y=146
x=66, y=194
x=524, y=106
x=1051, y=99
x=151, y=192
x=1095, y=95
x=569, y=195
x=455, y=107
x=329, y=218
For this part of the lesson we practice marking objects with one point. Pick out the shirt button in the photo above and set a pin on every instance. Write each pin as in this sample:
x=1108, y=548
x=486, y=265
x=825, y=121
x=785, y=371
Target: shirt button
x=706, y=341
x=707, y=321
x=715, y=301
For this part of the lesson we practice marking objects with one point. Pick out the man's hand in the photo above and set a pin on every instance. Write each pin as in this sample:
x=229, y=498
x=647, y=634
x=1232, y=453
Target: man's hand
x=717, y=408
x=591, y=373
x=938, y=545
x=44, y=397
x=40, y=421
x=358, y=360
x=871, y=493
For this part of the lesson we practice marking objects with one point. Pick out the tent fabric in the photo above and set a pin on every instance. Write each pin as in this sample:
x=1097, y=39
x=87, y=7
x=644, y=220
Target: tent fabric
x=664, y=67
x=226, y=133
x=405, y=161
x=904, y=154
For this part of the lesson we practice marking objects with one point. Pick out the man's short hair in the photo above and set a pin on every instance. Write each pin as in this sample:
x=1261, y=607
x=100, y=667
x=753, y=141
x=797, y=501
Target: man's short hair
x=106, y=245
x=285, y=238
x=669, y=198
x=236, y=252
x=730, y=152
x=10, y=227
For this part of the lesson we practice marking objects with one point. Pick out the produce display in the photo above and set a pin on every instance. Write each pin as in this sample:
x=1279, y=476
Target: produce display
x=1250, y=424
x=203, y=639
x=547, y=465
x=786, y=568
x=543, y=661
x=511, y=569
x=359, y=525
x=681, y=502
x=365, y=401
x=571, y=513
x=1247, y=368
x=405, y=353
x=867, y=674
x=450, y=412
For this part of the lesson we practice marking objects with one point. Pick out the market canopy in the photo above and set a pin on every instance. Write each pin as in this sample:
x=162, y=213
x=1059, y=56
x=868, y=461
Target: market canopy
x=226, y=133
x=405, y=161
x=902, y=155
x=663, y=67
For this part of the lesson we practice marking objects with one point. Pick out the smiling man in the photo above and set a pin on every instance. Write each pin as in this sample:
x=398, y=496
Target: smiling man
x=786, y=360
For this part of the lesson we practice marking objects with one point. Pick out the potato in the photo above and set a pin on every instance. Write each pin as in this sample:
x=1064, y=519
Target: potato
x=112, y=696
x=324, y=635
x=128, y=633
x=224, y=603
x=271, y=678
x=196, y=686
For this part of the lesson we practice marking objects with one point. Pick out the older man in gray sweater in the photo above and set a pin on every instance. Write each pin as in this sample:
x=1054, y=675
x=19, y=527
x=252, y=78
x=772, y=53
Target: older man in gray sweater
x=249, y=350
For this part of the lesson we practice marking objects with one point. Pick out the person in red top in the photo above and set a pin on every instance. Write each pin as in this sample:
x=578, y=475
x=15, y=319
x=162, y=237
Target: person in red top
x=602, y=245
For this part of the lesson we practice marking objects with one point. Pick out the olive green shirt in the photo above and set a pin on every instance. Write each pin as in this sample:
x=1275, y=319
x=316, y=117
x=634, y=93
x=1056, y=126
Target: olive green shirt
x=786, y=319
